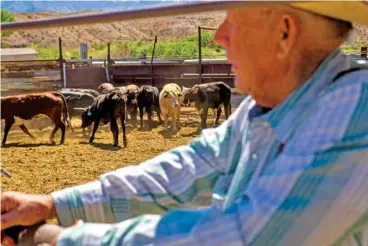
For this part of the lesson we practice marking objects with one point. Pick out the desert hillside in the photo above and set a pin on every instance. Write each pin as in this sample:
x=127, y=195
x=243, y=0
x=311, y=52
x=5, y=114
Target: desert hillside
x=166, y=28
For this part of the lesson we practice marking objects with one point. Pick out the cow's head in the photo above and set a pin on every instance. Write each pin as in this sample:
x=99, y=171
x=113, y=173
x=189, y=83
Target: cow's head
x=189, y=94
x=132, y=97
x=87, y=117
x=176, y=98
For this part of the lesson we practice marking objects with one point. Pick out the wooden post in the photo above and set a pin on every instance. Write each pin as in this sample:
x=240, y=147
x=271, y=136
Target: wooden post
x=108, y=63
x=200, y=54
x=61, y=61
x=108, y=55
x=153, y=53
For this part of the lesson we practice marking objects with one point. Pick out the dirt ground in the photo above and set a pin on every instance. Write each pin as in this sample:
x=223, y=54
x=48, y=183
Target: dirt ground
x=38, y=167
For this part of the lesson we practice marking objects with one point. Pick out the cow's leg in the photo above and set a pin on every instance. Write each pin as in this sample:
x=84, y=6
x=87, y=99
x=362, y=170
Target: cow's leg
x=173, y=120
x=135, y=116
x=227, y=107
x=123, y=126
x=52, y=135
x=204, y=118
x=166, y=119
x=149, y=114
x=141, y=115
x=219, y=110
x=178, y=117
x=8, y=124
x=115, y=131
x=61, y=125
x=158, y=111
x=55, y=116
x=95, y=126
x=25, y=130
x=62, y=128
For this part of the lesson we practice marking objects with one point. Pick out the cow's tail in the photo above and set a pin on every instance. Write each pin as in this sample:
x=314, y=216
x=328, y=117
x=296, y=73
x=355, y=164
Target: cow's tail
x=66, y=118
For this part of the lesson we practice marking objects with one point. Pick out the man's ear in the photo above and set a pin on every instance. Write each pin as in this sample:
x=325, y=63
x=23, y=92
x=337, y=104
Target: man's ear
x=287, y=35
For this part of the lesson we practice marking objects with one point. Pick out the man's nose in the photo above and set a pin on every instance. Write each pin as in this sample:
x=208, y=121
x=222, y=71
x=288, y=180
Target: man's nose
x=222, y=34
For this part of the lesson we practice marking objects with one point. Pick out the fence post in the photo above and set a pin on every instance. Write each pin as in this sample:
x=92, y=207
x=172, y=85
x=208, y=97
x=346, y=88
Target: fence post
x=61, y=62
x=153, y=53
x=200, y=54
x=108, y=55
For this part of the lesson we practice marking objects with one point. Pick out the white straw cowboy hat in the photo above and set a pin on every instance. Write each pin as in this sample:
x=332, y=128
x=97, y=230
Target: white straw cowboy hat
x=351, y=11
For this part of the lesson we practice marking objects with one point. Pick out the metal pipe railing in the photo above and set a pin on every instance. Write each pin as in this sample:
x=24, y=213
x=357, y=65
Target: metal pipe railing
x=123, y=15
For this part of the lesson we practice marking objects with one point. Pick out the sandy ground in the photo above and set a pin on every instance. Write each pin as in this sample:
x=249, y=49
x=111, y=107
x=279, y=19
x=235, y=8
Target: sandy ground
x=38, y=167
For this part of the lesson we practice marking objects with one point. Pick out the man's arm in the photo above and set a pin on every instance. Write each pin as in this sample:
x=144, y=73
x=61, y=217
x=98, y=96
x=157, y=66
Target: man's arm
x=313, y=193
x=175, y=178
x=298, y=199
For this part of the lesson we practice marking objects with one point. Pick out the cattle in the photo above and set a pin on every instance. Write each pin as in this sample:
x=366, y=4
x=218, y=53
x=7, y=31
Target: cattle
x=107, y=107
x=170, y=100
x=77, y=100
x=123, y=89
x=92, y=92
x=148, y=99
x=105, y=88
x=27, y=106
x=210, y=95
x=131, y=103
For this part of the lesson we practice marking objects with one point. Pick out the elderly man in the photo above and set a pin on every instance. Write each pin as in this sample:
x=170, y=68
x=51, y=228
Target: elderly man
x=289, y=167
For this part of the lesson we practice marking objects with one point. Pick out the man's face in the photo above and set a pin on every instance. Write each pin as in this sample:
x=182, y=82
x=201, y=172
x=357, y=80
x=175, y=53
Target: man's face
x=248, y=37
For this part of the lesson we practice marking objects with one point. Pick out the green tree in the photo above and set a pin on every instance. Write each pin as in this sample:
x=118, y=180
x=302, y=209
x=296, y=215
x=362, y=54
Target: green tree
x=6, y=16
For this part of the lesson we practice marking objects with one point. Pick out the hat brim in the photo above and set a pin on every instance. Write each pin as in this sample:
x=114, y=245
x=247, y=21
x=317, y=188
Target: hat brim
x=351, y=11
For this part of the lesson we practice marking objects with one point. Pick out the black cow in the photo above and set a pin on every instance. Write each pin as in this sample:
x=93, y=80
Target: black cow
x=107, y=108
x=92, y=92
x=210, y=95
x=148, y=99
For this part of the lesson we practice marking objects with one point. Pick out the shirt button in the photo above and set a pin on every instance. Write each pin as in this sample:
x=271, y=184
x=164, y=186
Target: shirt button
x=254, y=156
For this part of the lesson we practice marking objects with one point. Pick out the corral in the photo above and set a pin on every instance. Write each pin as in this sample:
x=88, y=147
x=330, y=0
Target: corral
x=38, y=167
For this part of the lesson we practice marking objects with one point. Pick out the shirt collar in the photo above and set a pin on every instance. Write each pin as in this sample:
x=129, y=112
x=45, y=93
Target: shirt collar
x=282, y=118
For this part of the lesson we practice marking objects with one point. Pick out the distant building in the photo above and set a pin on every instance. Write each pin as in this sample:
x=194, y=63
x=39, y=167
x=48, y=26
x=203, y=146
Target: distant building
x=18, y=54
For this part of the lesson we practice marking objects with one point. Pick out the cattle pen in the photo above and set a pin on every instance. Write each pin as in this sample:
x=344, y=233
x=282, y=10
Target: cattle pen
x=76, y=161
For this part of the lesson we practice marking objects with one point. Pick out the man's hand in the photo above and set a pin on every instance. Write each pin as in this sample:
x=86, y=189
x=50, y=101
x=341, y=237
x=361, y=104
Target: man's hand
x=23, y=209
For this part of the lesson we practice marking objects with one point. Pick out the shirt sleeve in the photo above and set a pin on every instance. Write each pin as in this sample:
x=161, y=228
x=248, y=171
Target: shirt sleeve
x=183, y=176
x=297, y=199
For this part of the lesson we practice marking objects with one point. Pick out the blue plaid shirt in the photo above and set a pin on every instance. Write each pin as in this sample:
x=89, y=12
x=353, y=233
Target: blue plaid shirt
x=295, y=175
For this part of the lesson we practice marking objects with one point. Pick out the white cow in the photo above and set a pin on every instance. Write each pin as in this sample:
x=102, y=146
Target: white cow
x=170, y=100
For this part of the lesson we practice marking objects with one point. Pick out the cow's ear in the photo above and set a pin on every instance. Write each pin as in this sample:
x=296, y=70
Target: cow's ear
x=166, y=94
x=195, y=90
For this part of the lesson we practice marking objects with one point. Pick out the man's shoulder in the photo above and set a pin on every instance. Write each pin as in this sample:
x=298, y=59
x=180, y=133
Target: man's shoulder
x=338, y=115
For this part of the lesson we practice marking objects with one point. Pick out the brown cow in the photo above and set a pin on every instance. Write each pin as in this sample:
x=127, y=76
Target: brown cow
x=27, y=106
x=132, y=103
